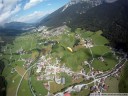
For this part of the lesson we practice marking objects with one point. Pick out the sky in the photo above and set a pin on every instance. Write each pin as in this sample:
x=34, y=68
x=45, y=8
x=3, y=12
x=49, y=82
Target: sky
x=27, y=11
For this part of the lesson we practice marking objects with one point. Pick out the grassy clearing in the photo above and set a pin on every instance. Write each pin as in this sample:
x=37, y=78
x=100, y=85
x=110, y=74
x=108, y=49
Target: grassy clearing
x=113, y=85
x=35, y=53
x=12, y=86
x=108, y=64
x=20, y=71
x=55, y=87
x=24, y=89
x=67, y=40
x=38, y=86
x=98, y=39
x=18, y=63
x=15, y=57
x=68, y=79
x=87, y=34
x=98, y=65
x=99, y=50
x=7, y=71
x=75, y=59
x=12, y=80
x=72, y=60
x=87, y=69
x=26, y=56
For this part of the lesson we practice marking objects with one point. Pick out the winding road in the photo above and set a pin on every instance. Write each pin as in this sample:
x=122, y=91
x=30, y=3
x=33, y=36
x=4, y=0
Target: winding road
x=32, y=65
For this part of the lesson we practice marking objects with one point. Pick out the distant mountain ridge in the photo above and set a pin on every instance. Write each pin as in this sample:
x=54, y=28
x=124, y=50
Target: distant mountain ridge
x=18, y=26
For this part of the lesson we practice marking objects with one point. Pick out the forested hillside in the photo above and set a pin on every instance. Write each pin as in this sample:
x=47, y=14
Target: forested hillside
x=109, y=17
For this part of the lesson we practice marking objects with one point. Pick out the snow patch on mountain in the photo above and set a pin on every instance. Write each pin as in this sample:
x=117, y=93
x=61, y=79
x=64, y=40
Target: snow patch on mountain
x=65, y=7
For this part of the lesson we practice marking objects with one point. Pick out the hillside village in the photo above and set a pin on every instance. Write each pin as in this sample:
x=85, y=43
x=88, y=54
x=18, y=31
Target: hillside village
x=52, y=68
x=74, y=50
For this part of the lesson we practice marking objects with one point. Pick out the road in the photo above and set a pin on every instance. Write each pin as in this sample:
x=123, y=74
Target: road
x=117, y=67
x=29, y=80
x=113, y=71
x=97, y=77
x=32, y=65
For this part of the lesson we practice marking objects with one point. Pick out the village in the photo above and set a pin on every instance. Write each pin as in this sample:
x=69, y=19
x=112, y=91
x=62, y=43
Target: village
x=52, y=69
x=50, y=72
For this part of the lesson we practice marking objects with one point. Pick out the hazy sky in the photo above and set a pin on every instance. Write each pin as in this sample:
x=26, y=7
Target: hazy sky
x=27, y=10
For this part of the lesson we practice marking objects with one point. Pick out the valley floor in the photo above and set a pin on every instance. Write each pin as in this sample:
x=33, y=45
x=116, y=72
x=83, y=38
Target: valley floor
x=46, y=63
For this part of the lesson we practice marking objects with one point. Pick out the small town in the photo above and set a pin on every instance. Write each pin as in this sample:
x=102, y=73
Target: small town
x=54, y=71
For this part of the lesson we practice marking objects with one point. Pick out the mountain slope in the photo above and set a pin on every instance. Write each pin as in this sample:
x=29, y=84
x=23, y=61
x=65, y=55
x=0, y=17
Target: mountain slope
x=65, y=15
x=112, y=18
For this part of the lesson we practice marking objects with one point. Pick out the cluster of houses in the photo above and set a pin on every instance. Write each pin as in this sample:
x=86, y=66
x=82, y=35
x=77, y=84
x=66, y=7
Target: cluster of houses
x=13, y=70
x=53, y=32
x=48, y=70
x=76, y=88
x=99, y=87
x=27, y=62
x=101, y=59
x=86, y=43
x=59, y=80
x=41, y=64
x=20, y=51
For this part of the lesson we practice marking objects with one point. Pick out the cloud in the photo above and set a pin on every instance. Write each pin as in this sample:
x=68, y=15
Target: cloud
x=49, y=4
x=17, y=9
x=32, y=17
x=7, y=9
x=1, y=5
x=32, y=3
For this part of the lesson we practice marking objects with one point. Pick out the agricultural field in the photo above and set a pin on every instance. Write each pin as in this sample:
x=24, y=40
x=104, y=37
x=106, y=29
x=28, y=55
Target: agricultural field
x=78, y=62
